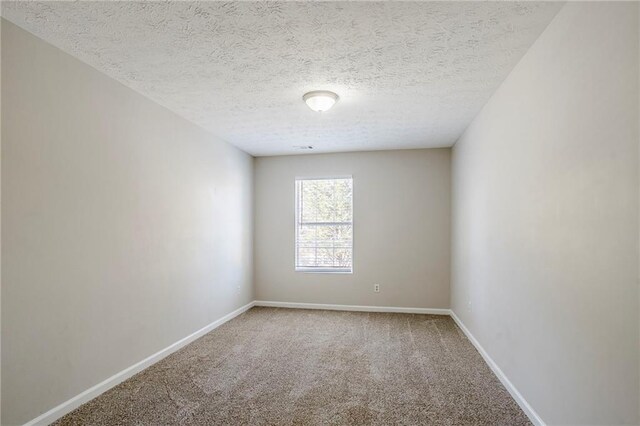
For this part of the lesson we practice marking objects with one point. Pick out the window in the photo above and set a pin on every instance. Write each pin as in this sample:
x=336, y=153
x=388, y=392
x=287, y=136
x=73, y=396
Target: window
x=324, y=225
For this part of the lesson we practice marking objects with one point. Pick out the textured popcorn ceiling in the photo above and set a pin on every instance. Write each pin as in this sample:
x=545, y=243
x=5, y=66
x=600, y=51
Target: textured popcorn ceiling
x=409, y=74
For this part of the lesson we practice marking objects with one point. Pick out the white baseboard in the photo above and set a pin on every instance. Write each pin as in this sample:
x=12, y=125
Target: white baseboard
x=358, y=308
x=517, y=396
x=70, y=405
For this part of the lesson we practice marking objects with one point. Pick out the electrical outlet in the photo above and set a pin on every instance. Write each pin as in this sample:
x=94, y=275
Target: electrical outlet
x=376, y=288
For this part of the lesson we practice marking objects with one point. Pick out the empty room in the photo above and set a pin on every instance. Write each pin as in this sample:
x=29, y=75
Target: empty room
x=319, y=213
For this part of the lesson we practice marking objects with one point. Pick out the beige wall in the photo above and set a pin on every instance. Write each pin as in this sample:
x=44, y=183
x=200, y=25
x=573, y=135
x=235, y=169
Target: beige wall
x=545, y=220
x=401, y=229
x=0, y=220
x=125, y=228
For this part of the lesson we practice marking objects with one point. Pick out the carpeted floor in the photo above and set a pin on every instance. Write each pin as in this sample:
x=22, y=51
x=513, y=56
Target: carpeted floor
x=274, y=366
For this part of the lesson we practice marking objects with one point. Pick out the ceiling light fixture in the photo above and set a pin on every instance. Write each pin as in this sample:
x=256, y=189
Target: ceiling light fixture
x=320, y=100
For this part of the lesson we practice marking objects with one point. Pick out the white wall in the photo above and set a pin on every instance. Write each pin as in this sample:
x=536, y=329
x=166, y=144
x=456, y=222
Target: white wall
x=401, y=229
x=125, y=228
x=545, y=220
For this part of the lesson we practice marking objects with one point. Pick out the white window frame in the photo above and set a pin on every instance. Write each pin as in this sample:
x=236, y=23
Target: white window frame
x=317, y=270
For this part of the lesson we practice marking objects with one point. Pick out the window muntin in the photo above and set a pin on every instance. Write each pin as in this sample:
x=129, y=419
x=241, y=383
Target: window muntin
x=324, y=225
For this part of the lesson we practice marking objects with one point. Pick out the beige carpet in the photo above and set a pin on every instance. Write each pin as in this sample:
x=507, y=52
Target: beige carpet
x=274, y=366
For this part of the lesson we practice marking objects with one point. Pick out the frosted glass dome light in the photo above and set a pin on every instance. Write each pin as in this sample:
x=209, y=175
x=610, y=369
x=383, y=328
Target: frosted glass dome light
x=320, y=100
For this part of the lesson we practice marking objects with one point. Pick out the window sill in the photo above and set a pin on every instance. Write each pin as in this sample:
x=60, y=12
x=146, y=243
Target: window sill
x=323, y=271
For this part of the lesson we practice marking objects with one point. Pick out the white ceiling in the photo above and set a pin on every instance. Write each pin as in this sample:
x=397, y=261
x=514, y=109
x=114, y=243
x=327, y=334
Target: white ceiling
x=409, y=74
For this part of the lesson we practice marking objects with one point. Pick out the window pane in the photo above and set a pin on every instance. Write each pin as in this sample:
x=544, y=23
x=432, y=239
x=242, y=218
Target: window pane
x=324, y=228
x=325, y=200
x=342, y=257
x=325, y=257
x=307, y=236
x=306, y=256
x=343, y=200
